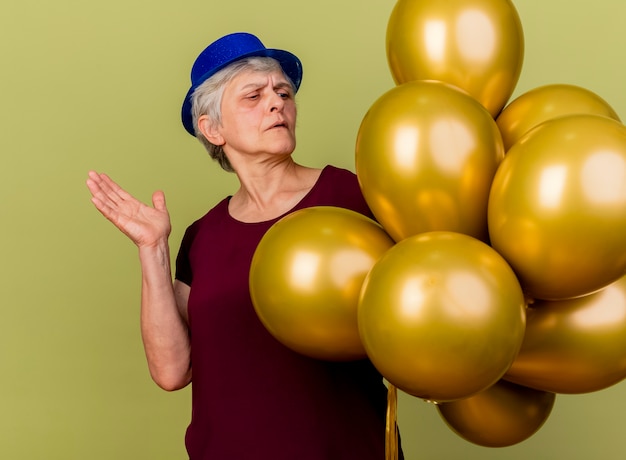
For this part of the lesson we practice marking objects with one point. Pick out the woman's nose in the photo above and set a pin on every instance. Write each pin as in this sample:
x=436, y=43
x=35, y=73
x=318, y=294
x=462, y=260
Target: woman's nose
x=277, y=103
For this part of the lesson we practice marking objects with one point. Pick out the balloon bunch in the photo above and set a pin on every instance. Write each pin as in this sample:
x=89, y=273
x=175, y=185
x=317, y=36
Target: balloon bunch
x=495, y=277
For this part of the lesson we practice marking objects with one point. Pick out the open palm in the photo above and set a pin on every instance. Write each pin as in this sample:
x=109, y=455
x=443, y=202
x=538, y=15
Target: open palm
x=144, y=225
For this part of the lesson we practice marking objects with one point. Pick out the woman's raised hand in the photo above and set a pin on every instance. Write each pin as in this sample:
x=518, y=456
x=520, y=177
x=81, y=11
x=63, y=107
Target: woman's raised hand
x=144, y=225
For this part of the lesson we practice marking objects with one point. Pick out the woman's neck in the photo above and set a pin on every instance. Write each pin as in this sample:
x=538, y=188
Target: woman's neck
x=268, y=191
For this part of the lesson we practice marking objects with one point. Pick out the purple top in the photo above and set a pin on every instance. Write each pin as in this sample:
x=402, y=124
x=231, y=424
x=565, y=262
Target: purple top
x=251, y=396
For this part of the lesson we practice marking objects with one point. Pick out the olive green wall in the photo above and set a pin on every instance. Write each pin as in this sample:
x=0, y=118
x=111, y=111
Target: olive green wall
x=88, y=84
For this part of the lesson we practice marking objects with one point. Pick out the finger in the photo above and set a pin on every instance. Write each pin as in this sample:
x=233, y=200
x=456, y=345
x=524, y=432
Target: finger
x=98, y=185
x=106, y=200
x=158, y=201
x=114, y=188
x=105, y=209
x=105, y=188
x=101, y=198
x=93, y=184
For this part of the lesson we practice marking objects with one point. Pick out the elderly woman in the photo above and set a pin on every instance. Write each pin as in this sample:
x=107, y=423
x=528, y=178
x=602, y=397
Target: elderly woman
x=252, y=398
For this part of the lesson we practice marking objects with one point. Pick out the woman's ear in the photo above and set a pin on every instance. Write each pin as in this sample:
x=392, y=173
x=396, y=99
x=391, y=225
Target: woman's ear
x=210, y=131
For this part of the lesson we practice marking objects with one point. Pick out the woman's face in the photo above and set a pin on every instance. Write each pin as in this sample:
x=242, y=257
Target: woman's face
x=258, y=115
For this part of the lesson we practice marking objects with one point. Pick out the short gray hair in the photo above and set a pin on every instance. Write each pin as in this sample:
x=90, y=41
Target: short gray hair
x=207, y=99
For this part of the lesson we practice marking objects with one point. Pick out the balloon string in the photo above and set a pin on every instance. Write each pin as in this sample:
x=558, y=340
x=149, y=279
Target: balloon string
x=391, y=426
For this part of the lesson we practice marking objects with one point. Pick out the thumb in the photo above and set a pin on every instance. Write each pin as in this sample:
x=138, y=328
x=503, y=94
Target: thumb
x=158, y=201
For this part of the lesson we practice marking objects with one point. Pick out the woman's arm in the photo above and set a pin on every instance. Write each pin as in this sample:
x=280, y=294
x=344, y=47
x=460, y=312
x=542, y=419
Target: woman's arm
x=164, y=328
x=164, y=320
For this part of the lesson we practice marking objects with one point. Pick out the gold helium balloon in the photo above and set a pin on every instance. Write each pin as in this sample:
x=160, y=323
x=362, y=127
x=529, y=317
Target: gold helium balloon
x=546, y=103
x=574, y=346
x=500, y=416
x=426, y=154
x=306, y=276
x=477, y=45
x=441, y=316
x=557, y=209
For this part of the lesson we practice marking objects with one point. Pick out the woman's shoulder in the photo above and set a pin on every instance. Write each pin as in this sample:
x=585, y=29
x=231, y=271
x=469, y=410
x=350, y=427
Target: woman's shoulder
x=340, y=179
x=217, y=212
x=336, y=171
x=338, y=187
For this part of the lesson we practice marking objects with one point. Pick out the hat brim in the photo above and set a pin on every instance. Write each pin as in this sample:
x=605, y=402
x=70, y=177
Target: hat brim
x=291, y=65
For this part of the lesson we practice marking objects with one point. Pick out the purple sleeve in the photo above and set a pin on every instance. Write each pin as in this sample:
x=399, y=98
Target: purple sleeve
x=183, y=263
